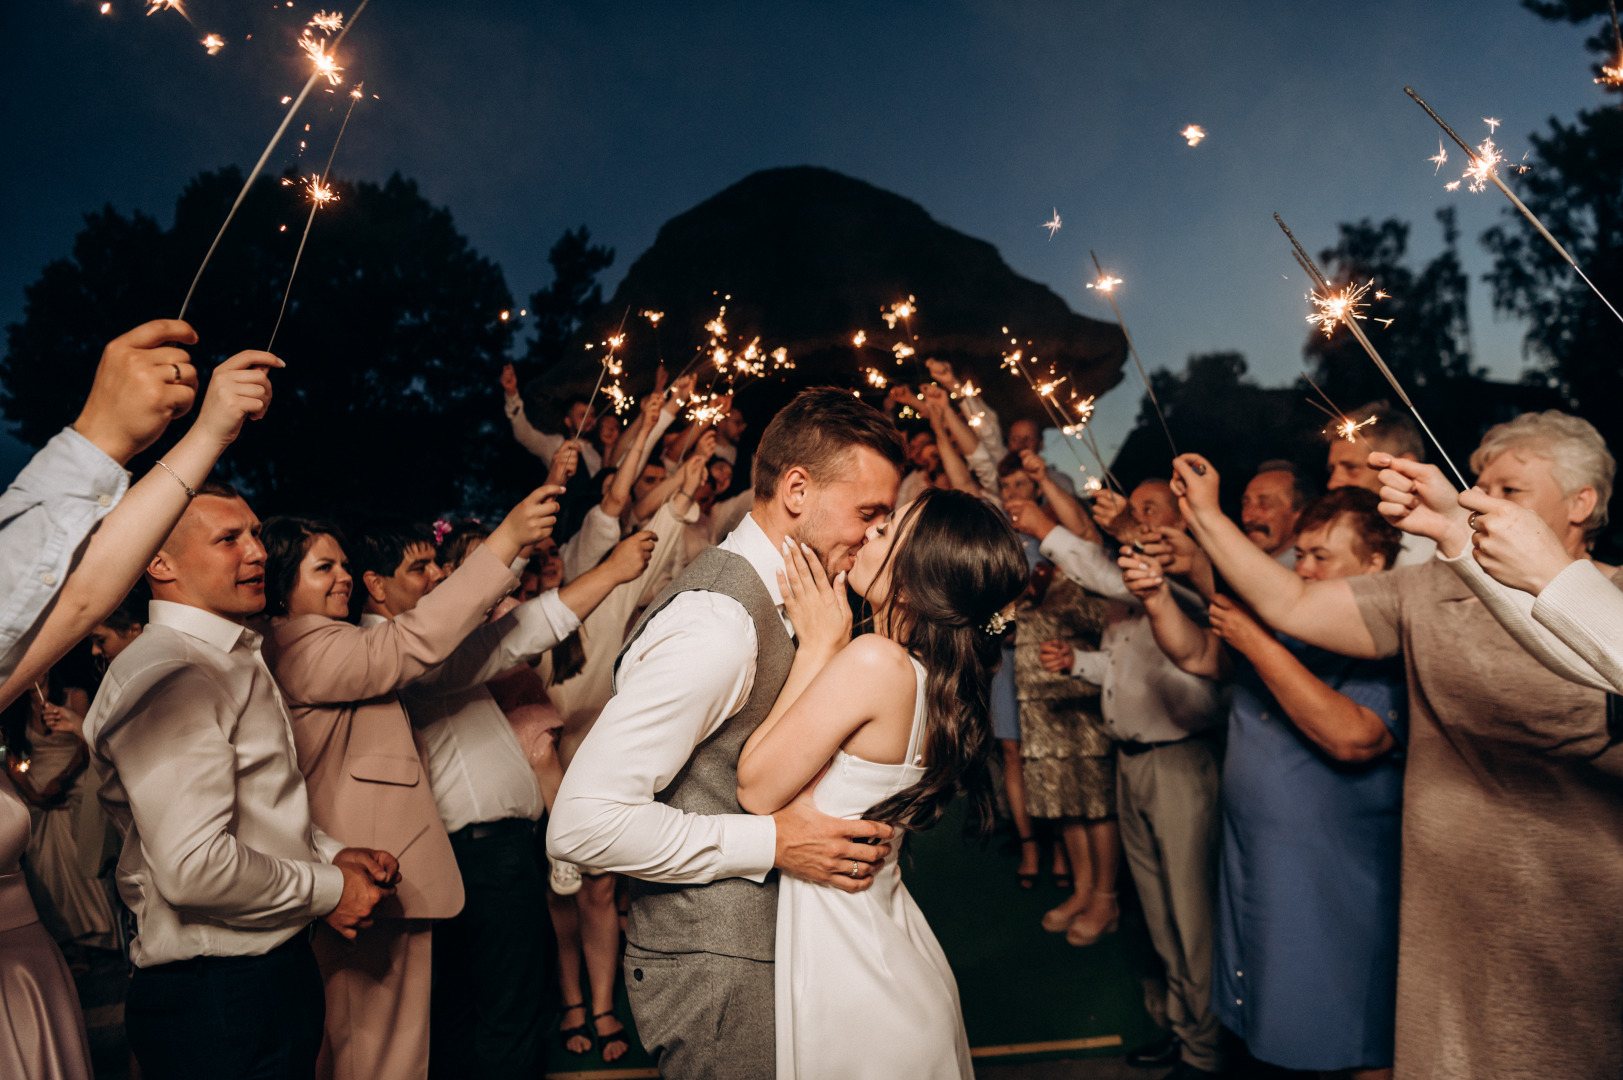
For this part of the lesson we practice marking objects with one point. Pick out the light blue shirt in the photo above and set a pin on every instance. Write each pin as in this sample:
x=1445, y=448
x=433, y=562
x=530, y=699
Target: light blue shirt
x=46, y=516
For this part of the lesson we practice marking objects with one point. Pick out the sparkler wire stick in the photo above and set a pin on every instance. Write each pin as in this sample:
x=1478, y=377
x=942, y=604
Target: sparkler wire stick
x=1493, y=175
x=1319, y=279
x=315, y=204
x=260, y=164
x=1110, y=295
x=619, y=336
x=1063, y=423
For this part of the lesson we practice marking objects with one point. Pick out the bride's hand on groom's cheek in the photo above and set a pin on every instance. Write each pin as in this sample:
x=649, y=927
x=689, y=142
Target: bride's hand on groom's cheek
x=816, y=606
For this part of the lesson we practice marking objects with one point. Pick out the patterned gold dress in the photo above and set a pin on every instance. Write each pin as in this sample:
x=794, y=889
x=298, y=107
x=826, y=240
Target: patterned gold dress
x=1068, y=759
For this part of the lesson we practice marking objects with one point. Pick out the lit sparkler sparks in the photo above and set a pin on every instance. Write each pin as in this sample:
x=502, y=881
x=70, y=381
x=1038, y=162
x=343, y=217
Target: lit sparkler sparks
x=876, y=378
x=320, y=193
x=1611, y=75
x=326, y=66
x=1105, y=284
x=902, y=311
x=859, y=338
x=1052, y=224
x=652, y=316
x=328, y=22
x=259, y=165
x=1493, y=125
x=902, y=350
x=1313, y=271
x=1349, y=428
x=1193, y=134
x=1337, y=306
x=107, y=9
x=1490, y=175
x=1440, y=160
x=1073, y=425
x=155, y=6
x=213, y=43
x=1386, y=323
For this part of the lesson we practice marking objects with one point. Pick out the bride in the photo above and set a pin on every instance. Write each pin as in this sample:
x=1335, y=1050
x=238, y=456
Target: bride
x=889, y=726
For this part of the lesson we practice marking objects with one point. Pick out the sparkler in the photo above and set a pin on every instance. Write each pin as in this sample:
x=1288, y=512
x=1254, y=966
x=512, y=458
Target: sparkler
x=328, y=21
x=1338, y=306
x=1193, y=134
x=1440, y=160
x=269, y=147
x=1312, y=269
x=1052, y=224
x=1611, y=75
x=1483, y=171
x=155, y=6
x=1346, y=427
x=1070, y=427
x=1107, y=285
x=610, y=364
x=213, y=44
x=320, y=194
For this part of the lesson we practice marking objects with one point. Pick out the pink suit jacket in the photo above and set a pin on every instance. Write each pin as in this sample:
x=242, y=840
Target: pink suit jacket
x=364, y=766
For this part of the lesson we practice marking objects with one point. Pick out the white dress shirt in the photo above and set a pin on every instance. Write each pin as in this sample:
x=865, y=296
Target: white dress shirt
x=692, y=667
x=543, y=444
x=1147, y=698
x=476, y=767
x=194, y=749
x=46, y=515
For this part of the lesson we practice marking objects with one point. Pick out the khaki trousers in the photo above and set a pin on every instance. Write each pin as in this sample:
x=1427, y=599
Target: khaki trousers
x=377, y=1001
x=1167, y=799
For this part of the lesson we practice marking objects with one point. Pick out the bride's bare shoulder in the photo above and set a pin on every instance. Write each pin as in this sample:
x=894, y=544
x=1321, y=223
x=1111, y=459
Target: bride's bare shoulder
x=877, y=656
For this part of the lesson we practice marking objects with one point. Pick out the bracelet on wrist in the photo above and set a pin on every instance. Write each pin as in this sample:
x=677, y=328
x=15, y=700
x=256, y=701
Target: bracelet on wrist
x=191, y=493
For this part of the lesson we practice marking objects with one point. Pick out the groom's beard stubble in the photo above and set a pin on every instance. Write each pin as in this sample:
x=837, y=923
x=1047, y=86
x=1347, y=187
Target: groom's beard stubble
x=835, y=557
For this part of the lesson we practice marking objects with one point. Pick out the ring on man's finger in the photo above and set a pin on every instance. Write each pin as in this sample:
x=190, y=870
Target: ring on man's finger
x=177, y=371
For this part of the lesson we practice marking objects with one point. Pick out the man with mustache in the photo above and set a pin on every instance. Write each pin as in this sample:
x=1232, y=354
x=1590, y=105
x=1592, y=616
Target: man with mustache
x=1268, y=511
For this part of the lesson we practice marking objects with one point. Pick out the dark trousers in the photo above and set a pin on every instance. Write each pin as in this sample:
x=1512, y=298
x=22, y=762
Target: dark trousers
x=228, y=1017
x=494, y=961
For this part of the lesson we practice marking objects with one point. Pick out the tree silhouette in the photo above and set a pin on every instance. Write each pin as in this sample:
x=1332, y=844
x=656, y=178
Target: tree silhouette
x=393, y=340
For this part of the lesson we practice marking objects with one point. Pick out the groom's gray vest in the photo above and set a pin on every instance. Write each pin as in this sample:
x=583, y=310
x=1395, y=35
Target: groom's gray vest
x=733, y=916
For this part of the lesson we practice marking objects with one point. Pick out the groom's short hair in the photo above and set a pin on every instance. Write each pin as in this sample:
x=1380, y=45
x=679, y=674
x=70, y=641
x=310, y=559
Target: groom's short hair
x=815, y=431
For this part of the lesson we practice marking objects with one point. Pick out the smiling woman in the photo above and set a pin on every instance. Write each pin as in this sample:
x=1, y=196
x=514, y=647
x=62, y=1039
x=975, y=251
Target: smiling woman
x=306, y=571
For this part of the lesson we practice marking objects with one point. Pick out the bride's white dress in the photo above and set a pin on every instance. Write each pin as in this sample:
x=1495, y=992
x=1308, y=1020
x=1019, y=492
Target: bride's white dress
x=863, y=988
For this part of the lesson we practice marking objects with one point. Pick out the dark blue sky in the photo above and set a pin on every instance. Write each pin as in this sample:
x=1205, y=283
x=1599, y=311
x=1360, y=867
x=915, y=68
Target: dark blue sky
x=527, y=117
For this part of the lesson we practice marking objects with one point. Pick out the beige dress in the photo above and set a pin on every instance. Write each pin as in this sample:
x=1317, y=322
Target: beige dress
x=1510, y=954
x=1066, y=756
x=66, y=840
x=42, y=1031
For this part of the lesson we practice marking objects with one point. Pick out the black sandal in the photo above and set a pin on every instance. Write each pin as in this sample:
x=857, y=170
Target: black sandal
x=583, y=1031
x=612, y=1037
x=1027, y=881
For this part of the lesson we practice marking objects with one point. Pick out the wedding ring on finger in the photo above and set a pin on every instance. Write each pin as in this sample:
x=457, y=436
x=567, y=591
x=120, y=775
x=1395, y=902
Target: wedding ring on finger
x=1471, y=521
x=856, y=869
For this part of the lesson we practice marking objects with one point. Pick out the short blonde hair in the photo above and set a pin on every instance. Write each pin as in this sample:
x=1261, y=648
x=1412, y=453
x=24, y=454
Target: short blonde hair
x=1577, y=454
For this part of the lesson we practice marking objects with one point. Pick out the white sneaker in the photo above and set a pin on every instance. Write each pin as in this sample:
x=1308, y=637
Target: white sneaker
x=565, y=877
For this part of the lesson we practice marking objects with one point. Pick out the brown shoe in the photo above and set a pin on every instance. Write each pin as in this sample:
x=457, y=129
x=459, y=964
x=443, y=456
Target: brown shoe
x=1100, y=917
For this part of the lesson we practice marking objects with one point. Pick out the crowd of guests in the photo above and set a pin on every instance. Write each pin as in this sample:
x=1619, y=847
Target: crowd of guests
x=1365, y=784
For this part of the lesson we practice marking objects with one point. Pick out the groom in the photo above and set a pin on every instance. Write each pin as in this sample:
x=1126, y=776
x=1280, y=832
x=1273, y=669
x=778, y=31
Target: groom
x=652, y=791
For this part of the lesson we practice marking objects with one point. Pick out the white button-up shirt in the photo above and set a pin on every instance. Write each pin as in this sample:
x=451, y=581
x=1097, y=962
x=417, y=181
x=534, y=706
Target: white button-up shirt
x=194, y=749
x=476, y=767
x=692, y=667
x=46, y=515
x=1146, y=697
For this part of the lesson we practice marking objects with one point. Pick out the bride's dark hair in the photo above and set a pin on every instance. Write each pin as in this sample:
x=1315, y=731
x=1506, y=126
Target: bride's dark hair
x=954, y=564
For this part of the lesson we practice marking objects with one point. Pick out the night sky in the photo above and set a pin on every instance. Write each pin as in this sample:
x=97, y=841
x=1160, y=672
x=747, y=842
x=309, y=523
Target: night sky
x=527, y=117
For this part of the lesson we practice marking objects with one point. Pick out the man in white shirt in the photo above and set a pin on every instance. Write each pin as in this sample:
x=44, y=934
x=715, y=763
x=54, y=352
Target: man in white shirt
x=1393, y=433
x=221, y=865
x=491, y=959
x=652, y=791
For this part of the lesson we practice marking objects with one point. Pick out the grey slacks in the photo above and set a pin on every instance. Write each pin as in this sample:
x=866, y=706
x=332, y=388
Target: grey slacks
x=1167, y=799
x=703, y=1016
